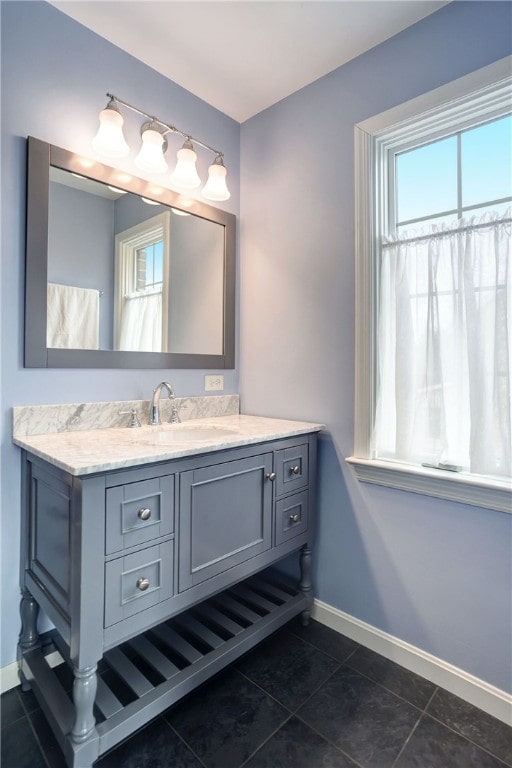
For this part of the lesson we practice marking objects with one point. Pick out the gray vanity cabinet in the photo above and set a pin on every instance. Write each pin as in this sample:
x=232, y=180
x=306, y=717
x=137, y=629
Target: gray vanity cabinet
x=161, y=572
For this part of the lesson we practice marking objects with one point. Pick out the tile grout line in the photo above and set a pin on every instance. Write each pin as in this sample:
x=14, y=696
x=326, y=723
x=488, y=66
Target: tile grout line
x=13, y=722
x=310, y=643
x=459, y=733
x=406, y=742
x=470, y=741
x=31, y=726
x=265, y=741
x=372, y=679
x=388, y=690
x=294, y=713
x=40, y=746
x=402, y=698
x=375, y=682
x=329, y=741
x=413, y=729
x=180, y=737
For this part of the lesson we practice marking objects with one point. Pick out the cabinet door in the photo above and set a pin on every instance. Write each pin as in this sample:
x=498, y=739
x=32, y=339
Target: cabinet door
x=225, y=517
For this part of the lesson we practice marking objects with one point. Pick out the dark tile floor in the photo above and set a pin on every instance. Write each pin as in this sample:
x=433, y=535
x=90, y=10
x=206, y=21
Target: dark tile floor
x=304, y=698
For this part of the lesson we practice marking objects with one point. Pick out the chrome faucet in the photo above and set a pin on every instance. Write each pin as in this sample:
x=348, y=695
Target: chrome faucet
x=154, y=417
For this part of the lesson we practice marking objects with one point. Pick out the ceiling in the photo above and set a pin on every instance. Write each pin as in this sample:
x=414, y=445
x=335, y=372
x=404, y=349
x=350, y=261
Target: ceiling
x=242, y=57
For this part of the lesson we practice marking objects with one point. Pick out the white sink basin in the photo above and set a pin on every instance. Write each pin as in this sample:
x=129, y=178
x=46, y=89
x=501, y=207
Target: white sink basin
x=171, y=434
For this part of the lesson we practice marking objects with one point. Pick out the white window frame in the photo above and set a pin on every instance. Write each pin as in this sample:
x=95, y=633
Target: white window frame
x=126, y=245
x=483, y=95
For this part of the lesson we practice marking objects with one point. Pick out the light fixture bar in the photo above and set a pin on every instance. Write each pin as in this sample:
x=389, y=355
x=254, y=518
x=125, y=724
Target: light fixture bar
x=167, y=126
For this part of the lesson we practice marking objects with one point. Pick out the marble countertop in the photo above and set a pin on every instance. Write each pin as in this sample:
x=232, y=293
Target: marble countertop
x=98, y=450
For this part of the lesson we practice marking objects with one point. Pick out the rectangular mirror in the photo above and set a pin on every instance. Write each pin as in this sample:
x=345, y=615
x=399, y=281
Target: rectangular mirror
x=121, y=273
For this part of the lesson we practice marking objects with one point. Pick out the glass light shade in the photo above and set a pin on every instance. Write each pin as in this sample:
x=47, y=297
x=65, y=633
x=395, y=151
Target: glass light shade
x=216, y=187
x=151, y=156
x=109, y=140
x=185, y=174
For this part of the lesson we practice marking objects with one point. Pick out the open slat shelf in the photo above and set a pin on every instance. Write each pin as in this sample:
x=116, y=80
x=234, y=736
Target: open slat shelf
x=165, y=663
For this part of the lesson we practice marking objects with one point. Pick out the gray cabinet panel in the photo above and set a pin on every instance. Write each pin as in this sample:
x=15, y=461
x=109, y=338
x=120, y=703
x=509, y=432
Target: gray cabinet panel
x=50, y=535
x=225, y=517
x=139, y=512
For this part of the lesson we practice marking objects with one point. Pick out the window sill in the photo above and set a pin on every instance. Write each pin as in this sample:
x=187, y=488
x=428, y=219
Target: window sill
x=467, y=489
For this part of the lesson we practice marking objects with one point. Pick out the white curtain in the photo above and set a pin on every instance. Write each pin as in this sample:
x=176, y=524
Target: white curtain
x=141, y=323
x=444, y=343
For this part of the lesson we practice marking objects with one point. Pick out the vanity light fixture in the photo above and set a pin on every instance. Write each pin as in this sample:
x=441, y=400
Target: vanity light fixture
x=151, y=155
x=185, y=174
x=215, y=188
x=110, y=142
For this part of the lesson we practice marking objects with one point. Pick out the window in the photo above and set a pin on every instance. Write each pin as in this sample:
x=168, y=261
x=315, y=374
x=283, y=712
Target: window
x=434, y=292
x=142, y=286
x=466, y=173
x=150, y=263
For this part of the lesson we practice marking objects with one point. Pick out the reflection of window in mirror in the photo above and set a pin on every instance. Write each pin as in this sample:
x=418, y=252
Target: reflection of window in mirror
x=142, y=285
x=150, y=260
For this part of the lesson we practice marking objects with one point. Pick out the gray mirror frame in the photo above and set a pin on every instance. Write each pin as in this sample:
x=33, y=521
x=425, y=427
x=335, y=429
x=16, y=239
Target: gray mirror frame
x=41, y=156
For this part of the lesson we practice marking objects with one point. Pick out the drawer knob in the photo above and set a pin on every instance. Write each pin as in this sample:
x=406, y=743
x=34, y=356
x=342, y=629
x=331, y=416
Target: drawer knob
x=271, y=476
x=295, y=470
x=294, y=518
x=144, y=513
x=142, y=584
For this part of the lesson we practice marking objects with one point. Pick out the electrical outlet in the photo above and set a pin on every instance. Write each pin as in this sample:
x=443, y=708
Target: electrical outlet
x=214, y=383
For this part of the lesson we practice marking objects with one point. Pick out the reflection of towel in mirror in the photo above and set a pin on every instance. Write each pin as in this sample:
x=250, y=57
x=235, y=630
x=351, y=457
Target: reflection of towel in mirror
x=73, y=317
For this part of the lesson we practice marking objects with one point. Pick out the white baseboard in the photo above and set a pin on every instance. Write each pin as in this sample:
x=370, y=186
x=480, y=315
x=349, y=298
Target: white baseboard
x=9, y=674
x=492, y=700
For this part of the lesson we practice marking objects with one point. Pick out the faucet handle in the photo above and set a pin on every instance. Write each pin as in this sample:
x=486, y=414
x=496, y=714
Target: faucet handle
x=134, y=418
x=175, y=415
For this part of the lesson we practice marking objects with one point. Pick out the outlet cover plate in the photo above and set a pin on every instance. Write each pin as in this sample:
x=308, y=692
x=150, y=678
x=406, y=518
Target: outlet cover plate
x=213, y=382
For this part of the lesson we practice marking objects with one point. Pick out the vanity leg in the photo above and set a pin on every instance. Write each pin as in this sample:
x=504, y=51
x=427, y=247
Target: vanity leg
x=305, y=584
x=29, y=638
x=84, y=693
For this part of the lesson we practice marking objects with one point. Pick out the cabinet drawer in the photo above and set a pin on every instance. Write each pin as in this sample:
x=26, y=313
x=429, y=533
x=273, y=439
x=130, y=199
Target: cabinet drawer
x=139, y=581
x=291, y=516
x=139, y=512
x=291, y=469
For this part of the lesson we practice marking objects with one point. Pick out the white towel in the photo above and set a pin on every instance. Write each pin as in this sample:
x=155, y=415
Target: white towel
x=73, y=317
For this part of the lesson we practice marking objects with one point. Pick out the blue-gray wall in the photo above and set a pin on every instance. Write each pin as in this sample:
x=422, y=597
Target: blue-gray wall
x=433, y=573
x=55, y=74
